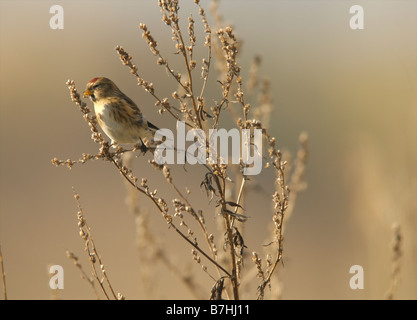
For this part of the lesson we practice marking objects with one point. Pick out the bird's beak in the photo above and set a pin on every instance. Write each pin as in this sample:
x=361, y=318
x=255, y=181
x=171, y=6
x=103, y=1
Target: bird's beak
x=88, y=93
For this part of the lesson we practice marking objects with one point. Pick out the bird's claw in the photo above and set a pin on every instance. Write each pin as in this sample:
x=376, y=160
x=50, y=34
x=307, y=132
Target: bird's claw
x=142, y=147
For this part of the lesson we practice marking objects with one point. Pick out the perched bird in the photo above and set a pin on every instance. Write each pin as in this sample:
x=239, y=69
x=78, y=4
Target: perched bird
x=118, y=116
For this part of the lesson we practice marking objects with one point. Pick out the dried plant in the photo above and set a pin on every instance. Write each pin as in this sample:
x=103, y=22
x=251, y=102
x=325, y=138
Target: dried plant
x=84, y=275
x=3, y=275
x=224, y=184
x=396, y=261
x=94, y=257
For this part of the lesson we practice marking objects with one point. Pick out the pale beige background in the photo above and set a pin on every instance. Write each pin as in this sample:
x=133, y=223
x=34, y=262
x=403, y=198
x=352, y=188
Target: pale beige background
x=354, y=92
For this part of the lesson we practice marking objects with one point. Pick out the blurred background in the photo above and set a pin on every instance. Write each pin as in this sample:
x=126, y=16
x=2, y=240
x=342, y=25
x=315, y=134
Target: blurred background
x=352, y=91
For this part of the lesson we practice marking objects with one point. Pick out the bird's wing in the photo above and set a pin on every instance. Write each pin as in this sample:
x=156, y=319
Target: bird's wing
x=125, y=110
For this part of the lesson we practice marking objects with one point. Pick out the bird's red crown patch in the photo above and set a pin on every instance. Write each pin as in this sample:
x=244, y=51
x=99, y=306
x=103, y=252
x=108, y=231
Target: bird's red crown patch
x=93, y=80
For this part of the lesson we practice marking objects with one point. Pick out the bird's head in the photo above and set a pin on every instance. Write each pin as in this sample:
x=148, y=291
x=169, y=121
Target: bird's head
x=100, y=88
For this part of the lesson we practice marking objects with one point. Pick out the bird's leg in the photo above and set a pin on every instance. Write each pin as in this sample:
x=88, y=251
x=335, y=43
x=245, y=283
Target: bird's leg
x=142, y=146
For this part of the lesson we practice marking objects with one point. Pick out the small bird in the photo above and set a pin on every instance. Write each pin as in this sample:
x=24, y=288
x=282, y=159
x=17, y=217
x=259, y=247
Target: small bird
x=118, y=116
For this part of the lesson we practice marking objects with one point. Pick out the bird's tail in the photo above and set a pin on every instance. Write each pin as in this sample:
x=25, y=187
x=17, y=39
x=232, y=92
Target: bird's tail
x=152, y=127
x=149, y=140
x=150, y=143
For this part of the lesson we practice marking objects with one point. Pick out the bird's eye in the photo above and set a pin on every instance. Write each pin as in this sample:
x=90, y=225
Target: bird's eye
x=96, y=86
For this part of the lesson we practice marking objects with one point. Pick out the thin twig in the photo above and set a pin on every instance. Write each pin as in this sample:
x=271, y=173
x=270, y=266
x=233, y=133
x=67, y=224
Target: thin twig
x=93, y=255
x=84, y=275
x=3, y=275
